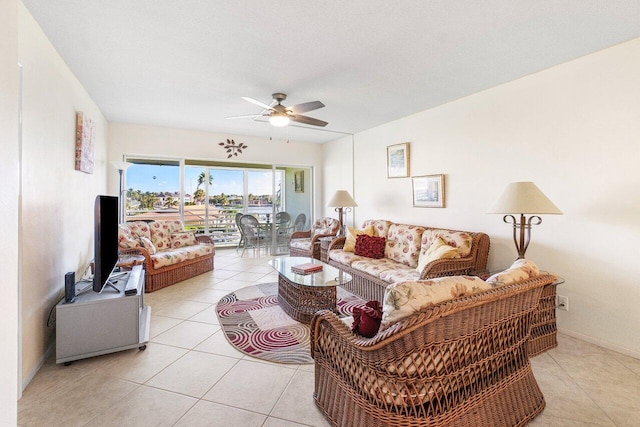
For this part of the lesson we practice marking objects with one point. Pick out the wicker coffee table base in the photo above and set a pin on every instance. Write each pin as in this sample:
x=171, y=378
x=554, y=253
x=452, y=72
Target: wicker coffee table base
x=301, y=302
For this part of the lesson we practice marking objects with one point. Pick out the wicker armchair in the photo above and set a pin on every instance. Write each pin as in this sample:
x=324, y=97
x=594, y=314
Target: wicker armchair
x=462, y=362
x=307, y=243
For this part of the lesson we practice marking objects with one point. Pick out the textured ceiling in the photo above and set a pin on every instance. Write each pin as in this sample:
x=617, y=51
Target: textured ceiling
x=187, y=64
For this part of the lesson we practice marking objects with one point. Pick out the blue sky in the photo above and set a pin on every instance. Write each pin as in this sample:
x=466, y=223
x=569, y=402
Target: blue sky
x=155, y=178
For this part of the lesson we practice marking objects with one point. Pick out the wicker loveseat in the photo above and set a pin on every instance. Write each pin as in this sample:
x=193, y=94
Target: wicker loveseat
x=459, y=362
x=307, y=243
x=170, y=253
x=404, y=246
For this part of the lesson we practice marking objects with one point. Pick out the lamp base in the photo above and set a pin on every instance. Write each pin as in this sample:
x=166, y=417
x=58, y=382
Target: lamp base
x=523, y=230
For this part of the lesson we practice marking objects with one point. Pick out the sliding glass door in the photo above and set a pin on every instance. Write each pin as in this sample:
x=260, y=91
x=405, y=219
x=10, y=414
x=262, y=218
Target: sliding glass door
x=207, y=196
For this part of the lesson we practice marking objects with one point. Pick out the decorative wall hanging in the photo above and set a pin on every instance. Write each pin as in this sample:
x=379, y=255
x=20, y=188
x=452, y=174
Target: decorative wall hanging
x=298, y=181
x=428, y=191
x=398, y=161
x=232, y=148
x=85, y=141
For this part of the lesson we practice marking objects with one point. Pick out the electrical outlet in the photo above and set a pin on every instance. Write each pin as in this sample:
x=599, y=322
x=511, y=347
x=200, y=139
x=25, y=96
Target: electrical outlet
x=562, y=302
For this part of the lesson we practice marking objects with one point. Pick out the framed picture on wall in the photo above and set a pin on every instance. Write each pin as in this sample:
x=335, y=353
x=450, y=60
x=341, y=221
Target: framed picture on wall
x=85, y=141
x=398, y=160
x=428, y=191
x=298, y=181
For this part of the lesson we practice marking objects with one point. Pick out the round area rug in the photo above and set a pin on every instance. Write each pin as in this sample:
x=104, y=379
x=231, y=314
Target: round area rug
x=254, y=323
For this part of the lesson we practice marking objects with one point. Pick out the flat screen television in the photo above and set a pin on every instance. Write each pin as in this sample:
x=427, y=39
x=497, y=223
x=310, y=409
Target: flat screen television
x=105, y=240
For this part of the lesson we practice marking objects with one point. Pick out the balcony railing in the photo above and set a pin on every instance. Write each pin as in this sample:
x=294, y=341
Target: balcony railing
x=221, y=224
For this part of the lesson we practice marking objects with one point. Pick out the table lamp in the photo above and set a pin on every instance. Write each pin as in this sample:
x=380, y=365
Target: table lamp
x=343, y=202
x=523, y=198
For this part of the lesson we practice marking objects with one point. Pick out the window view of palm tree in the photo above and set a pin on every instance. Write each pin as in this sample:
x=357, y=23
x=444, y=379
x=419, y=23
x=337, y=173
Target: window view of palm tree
x=212, y=196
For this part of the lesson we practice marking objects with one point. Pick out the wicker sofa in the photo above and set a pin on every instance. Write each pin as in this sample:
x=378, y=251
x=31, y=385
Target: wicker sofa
x=170, y=253
x=404, y=246
x=461, y=362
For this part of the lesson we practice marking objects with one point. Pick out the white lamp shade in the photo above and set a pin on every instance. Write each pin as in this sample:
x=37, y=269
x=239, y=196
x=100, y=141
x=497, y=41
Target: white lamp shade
x=523, y=198
x=342, y=199
x=121, y=166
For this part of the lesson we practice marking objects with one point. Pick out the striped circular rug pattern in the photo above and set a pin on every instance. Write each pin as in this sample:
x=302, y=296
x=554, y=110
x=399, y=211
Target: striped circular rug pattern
x=254, y=323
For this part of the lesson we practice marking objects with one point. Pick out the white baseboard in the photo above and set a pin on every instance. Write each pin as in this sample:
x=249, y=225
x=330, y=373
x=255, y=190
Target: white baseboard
x=34, y=371
x=601, y=343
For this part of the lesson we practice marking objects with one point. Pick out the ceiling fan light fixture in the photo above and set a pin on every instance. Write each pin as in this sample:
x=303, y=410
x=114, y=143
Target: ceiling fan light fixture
x=279, y=120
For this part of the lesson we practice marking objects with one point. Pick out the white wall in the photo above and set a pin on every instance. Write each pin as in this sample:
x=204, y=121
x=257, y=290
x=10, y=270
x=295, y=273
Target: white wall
x=337, y=158
x=9, y=176
x=150, y=141
x=57, y=200
x=575, y=131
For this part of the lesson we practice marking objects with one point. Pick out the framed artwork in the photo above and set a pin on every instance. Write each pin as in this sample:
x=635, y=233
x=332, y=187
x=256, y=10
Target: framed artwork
x=298, y=179
x=398, y=160
x=428, y=191
x=85, y=141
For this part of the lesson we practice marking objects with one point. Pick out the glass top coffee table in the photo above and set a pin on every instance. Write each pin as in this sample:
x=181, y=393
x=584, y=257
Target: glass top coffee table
x=301, y=295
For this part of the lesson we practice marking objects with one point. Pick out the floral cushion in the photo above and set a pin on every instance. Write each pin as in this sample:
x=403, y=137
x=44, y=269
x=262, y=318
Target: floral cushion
x=352, y=235
x=325, y=225
x=160, y=235
x=457, y=239
x=301, y=244
x=171, y=225
x=197, y=250
x=403, y=299
x=521, y=269
x=403, y=243
x=438, y=250
x=148, y=245
x=138, y=229
x=380, y=226
x=370, y=246
x=185, y=238
x=344, y=257
x=126, y=240
x=170, y=257
x=373, y=266
x=400, y=273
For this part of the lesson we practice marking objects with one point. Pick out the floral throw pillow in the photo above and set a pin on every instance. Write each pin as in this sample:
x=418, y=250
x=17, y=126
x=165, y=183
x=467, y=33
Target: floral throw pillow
x=370, y=246
x=180, y=240
x=146, y=243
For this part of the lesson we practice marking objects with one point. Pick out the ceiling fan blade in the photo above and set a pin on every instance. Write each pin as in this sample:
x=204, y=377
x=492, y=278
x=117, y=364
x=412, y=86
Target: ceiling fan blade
x=258, y=103
x=307, y=120
x=305, y=106
x=248, y=116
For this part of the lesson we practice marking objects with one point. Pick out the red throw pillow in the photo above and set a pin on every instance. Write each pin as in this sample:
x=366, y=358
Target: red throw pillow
x=370, y=246
x=366, y=320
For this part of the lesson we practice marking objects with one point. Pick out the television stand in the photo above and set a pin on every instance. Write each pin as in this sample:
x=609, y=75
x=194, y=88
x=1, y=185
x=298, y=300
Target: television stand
x=111, y=285
x=100, y=323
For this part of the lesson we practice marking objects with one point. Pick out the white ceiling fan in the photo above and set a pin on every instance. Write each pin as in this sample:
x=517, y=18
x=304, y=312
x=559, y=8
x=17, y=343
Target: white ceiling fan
x=279, y=115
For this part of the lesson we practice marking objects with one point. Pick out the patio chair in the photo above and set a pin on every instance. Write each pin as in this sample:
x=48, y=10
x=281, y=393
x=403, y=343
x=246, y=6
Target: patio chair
x=300, y=222
x=242, y=240
x=255, y=236
x=283, y=229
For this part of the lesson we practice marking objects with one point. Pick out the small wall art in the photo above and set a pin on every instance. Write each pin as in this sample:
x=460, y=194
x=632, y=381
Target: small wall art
x=398, y=160
x=428, y=191
x=85, y=142
x=298, y=181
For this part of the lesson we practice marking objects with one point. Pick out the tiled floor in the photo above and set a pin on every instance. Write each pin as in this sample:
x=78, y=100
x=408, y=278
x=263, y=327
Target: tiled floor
x=190, y=376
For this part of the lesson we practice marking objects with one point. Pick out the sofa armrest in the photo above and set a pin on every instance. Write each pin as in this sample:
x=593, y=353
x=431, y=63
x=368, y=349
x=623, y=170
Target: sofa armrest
x=449, y=267
x=148, y=264
x=301, y=234
x=338, y=243
x=208, y=240
x=317, y=237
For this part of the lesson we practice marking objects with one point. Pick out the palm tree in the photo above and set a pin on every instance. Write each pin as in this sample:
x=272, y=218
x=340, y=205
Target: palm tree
x=201, y=179
x=198, y=195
